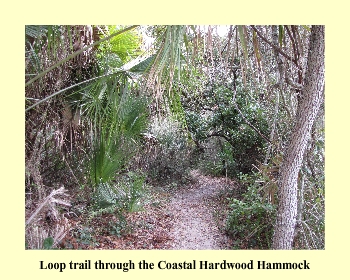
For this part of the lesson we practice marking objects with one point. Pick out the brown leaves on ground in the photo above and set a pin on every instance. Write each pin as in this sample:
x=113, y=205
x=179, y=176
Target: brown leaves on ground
x=191, y=217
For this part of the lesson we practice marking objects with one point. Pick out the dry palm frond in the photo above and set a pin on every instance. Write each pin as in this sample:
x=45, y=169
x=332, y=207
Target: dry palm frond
x=49, y=200
x=36, y=234
x=37, y=230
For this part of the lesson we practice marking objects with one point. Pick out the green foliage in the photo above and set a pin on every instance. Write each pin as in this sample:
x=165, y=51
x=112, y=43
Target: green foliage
x=119, y=228
x=143, y=66
x=223, y=102
x=170, y=52
x=135, y=187
x=222, y=119
x=48, y=243
x=214, y=161
x=173, y=157
x=117, y=117
x=167, y=63
x=124, y=195
x=85, y=235
x=120, y=49
x=107, y=160
x=250, y=221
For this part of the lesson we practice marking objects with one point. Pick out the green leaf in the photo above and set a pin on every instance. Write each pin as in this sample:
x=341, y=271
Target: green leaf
x=36, y=31
x=306, y=27
x=125, y=45
x=143, y=66
x=48, y=242
x=280, y=34
x=71, y=56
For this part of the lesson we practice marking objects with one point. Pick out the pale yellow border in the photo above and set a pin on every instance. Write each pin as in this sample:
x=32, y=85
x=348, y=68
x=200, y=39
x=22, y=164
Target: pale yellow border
x=16, y=263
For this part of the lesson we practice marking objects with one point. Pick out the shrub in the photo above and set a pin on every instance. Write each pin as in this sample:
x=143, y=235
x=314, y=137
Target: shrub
x=171, y=156
x=250, y=221
x=232, y=116
x=123, y=195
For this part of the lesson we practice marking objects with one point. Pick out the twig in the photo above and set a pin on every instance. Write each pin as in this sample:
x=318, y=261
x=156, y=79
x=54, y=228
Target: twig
x=275, y=47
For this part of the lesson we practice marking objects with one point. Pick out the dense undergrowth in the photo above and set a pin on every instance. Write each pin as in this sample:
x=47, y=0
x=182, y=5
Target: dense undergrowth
x=105, y=146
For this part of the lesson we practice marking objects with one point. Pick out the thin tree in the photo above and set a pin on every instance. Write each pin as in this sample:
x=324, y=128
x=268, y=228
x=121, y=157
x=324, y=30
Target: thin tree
x=311, y=98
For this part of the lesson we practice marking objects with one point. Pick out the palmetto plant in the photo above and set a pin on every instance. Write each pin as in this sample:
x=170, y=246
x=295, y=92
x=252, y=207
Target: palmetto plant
x=69, y=51
x=118, y=120
x=81, y=115
x=84, y=110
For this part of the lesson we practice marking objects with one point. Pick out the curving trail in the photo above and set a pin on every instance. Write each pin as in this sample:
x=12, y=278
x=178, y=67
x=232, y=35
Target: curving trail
x=194, y=226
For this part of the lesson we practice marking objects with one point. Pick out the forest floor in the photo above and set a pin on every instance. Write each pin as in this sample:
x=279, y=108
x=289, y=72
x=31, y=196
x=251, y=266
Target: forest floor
x=197, y=215
x=188, y=217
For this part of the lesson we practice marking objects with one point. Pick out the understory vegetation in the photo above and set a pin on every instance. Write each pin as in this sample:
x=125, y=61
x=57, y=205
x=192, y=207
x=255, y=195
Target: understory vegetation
x=115, y=124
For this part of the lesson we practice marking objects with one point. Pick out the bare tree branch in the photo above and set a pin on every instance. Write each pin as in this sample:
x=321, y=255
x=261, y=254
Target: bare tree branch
x=275, y=47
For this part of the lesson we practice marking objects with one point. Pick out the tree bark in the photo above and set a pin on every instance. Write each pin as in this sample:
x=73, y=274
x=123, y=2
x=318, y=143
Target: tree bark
x=310, y=101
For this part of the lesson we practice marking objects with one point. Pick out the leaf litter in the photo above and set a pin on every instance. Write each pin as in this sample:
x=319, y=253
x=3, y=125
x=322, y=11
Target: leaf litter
x=190, y=217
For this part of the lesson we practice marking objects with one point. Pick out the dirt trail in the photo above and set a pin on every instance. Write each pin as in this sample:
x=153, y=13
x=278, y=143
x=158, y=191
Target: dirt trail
x=194, y=226
x=183, y=220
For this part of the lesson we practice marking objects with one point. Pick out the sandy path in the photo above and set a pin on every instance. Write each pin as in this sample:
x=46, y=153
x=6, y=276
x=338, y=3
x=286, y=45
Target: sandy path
x=194, y=226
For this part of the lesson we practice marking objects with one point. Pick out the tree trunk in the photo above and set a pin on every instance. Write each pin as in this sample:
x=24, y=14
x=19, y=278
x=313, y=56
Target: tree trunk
x=311, y=99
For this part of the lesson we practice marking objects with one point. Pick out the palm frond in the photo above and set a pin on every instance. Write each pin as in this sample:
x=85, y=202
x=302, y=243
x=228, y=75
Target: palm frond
x=71, y=56
x=168, y=59
x=143, y=66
